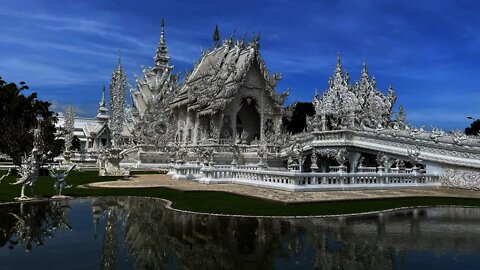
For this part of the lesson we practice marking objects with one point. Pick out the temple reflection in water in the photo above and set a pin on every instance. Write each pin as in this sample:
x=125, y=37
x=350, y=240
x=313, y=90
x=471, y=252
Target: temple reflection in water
x=148, y=236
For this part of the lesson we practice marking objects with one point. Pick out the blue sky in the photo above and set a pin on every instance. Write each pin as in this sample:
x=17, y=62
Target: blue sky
x=429, y=50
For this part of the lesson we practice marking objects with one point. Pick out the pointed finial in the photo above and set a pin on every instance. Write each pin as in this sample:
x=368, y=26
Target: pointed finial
x=102, y=101
x=390, y=88
x=162, y=33
x=161, y=58
x=364, y=71
x=338, y=68
x=216, y=36
x=118, y=59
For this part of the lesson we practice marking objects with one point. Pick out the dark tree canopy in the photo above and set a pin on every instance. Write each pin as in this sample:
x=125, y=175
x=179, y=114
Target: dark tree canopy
x=19, y=115
x=296, y=121
x=76, y=144
x=474, y=128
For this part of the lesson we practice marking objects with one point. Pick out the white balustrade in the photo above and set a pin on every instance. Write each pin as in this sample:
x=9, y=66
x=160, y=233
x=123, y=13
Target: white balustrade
x=300, y=181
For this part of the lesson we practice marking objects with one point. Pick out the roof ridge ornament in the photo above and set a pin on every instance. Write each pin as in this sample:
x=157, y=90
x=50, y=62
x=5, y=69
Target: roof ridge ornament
x=161, y=58
x=216, y=37
x=119, y=62
x=102, y=101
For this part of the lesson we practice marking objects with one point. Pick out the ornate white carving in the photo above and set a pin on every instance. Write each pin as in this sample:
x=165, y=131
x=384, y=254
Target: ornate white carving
x=117, y=104
x=460, y=178
x=69, y=127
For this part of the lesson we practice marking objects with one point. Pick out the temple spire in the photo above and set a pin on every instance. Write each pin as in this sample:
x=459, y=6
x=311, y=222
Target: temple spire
x=102, y=115
x=102, y=101
x=119, y=63
x=161, y=58
x=339, y=62
x=339, y=68
x=118, y=59
x=364, y=78
x=216, y=36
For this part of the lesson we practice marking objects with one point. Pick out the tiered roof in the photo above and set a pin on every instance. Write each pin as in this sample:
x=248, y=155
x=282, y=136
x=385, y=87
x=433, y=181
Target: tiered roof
x=217, y=77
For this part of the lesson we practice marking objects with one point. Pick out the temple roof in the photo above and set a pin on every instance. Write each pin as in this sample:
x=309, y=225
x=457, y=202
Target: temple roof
x=218, y=75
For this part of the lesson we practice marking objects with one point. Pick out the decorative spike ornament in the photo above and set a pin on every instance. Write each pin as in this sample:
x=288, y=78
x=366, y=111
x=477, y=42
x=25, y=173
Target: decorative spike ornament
x=216, y=37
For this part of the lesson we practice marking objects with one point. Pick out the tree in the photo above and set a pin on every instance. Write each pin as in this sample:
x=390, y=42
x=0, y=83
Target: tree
x=474, y=128
x=76, y=144
x=19, y=115
x=295, y=121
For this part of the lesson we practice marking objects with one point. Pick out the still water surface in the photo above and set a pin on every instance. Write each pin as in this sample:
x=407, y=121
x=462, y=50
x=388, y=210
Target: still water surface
x=136, y=233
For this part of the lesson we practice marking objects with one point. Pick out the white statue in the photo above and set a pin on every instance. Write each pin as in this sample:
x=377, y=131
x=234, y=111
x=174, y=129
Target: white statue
x=59, y=174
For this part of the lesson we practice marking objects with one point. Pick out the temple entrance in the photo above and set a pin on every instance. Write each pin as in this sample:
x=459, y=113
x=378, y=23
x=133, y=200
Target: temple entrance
x=248, y=121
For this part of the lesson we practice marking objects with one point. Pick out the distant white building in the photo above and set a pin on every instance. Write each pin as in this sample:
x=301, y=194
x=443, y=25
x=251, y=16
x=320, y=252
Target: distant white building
x=94, y=133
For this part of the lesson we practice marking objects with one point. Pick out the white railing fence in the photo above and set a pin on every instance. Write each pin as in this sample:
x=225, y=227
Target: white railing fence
x=301, y=181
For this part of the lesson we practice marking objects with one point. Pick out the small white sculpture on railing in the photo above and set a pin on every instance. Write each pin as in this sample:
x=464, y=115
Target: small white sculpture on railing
x=414, y=158
x=262, y=153
x=382, y=161
x=314, y=159
x=236, y=154
x=341, y=158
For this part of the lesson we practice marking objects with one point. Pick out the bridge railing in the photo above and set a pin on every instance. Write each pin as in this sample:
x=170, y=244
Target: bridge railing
x=300, y=181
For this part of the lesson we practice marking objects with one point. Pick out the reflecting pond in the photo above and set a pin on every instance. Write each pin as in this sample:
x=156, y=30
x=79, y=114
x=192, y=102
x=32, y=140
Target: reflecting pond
x=137, y=233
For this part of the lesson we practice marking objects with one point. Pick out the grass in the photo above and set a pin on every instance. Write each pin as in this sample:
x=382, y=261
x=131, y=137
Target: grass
x=225, y=203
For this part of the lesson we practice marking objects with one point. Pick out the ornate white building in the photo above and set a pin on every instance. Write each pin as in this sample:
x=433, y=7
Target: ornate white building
x=94, y=133
x=223, y=124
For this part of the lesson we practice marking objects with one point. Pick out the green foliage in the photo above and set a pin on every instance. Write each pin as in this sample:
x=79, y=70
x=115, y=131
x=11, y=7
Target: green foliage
x=474, y=128
x=296, y=122
x=18, y=117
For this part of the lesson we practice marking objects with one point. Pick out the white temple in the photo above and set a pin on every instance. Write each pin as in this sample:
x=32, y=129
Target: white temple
x=223, y=124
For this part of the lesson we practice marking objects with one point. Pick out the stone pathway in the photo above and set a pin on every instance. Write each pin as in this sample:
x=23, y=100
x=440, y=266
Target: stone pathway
x=161, y=180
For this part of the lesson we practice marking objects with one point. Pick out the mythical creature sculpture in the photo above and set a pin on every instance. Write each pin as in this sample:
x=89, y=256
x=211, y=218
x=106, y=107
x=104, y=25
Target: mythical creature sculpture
x=313, y=160
x=9, y=172
x=382, y=160
x=109, y=163
x=414, y=156
x=29, y=172
x=59, y=174
x=262, y=152
x=236, y=153
x=341, y=157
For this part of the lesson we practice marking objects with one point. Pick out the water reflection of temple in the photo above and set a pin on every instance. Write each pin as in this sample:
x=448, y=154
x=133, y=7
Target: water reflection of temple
x=156, y=237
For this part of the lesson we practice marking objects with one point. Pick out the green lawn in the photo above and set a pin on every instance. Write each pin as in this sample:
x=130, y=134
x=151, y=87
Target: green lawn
x=221, y=202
